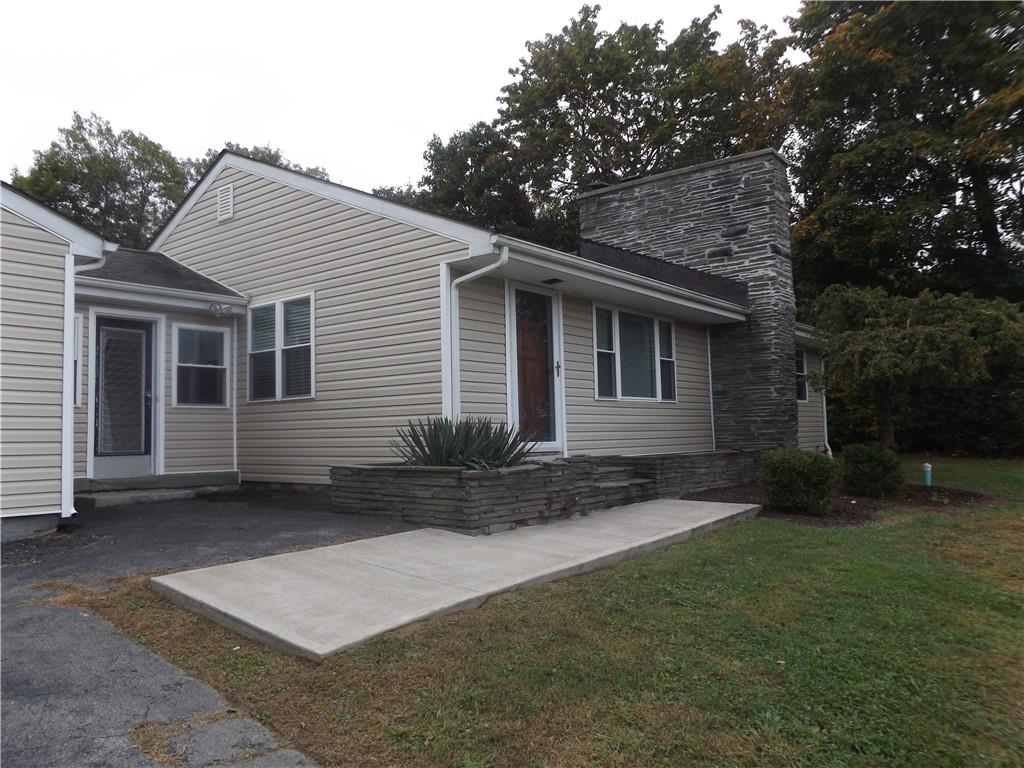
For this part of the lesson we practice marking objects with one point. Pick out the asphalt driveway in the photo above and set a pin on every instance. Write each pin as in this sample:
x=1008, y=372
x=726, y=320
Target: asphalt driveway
x=74, y=689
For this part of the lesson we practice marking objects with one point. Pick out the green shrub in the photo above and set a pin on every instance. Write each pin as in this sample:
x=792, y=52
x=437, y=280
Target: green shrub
x=798, y=481
x=870, y=470
x=472, y=442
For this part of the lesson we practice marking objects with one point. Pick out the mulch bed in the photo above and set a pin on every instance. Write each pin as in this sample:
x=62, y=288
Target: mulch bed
x=848, y=510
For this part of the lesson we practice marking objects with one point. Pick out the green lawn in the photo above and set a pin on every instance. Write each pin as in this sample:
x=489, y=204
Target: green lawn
x=1000, y=476
x=767, y=643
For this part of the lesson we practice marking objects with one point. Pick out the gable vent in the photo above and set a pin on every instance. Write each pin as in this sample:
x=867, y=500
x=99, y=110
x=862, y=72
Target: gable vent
x=225, y=202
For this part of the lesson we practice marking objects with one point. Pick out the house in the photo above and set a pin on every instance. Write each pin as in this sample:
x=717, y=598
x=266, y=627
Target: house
x=280, y=324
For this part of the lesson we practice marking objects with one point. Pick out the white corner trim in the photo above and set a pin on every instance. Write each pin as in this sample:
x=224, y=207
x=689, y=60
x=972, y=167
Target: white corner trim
x=68, y=396
x=77, y=357
x=478, y=239
x=225, y=333
x=447, y=358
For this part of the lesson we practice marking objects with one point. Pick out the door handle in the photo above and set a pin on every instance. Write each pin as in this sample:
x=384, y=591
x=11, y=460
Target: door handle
x=149, y=398
x=558, y=368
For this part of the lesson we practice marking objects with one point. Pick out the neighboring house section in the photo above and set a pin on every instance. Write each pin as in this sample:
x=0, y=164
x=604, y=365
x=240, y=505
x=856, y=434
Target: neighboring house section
x=32, y=345
x=38, y=251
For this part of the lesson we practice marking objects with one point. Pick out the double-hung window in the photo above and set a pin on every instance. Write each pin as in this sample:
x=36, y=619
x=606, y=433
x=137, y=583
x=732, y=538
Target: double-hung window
x=634, y=356
x=801, y=376
x=200, y=365
x=281, y=349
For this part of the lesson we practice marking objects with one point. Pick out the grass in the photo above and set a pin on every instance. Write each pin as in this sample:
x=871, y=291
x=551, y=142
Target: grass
x=767, y=643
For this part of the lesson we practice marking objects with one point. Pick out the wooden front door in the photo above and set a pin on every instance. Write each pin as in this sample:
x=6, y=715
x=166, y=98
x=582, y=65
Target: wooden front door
x=537, y=366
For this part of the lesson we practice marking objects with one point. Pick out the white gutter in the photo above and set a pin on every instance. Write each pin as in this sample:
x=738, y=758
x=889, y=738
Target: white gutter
x=453, y=321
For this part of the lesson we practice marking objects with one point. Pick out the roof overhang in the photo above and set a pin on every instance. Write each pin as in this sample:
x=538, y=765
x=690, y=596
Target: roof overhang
x=83, y=242
x=534, y=264
x=807, y=336
x=136, y=294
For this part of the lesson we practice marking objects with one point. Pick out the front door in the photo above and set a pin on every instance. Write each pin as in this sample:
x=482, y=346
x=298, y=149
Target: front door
x=123, y=430
x=537, y=366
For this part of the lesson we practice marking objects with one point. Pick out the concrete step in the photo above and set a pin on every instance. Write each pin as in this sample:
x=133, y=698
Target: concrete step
x=100, y=499
x=151, y=482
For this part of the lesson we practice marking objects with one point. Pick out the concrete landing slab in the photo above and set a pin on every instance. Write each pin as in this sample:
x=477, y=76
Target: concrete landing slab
x=320, y=601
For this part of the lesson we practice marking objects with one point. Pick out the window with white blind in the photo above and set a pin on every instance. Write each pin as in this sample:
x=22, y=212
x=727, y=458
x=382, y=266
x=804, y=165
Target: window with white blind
x=634, y=356
x=801, y=376
x=281, y=359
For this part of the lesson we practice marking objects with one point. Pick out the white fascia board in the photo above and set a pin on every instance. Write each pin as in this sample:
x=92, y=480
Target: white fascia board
x=574, y=264
x=154, y=296
x=83, y=242
x=476, y=238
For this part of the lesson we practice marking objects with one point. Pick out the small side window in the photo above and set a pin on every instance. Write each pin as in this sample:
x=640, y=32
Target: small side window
x=604, y=343
x=201, y=370
x=667, y=360
x=801, y=376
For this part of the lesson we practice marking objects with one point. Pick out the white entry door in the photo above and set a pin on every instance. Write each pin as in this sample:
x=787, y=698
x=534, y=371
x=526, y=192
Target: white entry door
x=123, y=429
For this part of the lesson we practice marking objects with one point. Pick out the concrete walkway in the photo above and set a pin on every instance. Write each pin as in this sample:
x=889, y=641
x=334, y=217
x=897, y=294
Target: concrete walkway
x=320, y=601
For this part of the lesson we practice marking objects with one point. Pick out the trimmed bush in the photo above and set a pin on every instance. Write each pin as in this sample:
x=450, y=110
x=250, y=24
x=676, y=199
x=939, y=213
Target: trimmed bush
x=797, y=481
x=870, y=470
x=472, y=442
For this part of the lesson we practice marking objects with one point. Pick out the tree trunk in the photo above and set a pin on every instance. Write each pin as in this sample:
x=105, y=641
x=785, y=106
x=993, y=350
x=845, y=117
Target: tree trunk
x=985, y=211
x=883, y=412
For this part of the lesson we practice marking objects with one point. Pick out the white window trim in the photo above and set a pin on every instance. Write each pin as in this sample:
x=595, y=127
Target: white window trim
x=225, y=334
x=618, y=355
x=279, y=348
x=79, y=326
x=801, y=372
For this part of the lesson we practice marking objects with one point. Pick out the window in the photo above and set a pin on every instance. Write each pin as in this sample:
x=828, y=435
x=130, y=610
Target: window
x=634, y=356
x=604, y=343
x=79, y=322
x=801, y=376
x=281, y=349
x=200, y=366
x=667, y=360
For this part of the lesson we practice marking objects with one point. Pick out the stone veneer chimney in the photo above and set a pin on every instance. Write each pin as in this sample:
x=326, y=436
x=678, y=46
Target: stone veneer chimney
x=731, y=218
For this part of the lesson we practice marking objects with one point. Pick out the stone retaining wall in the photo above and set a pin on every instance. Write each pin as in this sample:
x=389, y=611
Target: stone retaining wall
x=471, y=501
x=677, y=474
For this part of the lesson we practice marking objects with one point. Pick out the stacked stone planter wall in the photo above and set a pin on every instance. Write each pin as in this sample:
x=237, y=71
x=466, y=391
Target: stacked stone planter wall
x=677, y=474
x=471, y=501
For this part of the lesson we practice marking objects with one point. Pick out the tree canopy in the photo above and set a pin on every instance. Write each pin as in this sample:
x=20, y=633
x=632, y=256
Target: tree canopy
x=908, y=136
x=121, y=184
x=880, y=346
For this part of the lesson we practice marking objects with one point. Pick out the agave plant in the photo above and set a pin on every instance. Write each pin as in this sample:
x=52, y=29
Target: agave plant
x=472, y=442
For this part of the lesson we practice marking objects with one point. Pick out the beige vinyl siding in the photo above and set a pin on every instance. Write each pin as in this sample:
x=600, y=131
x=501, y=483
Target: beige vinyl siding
x=377, y=319
x=195, y=439
x=32, y=265
x=603, y=427
x=809, y=417
x=482, y=349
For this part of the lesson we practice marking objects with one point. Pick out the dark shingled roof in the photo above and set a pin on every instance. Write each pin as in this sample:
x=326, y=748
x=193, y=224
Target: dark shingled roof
x=126, y=265
x=665, y=272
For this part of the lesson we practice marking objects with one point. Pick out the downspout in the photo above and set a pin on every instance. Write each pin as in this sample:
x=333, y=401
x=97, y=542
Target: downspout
x=824, y=411
x=453, y=321
x=234, y=396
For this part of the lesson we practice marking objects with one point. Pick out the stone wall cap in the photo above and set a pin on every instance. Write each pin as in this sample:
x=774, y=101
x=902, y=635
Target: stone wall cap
x=770, y=152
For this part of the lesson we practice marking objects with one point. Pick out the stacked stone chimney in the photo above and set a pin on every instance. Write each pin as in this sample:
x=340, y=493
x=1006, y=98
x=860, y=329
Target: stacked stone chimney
x=731, y=218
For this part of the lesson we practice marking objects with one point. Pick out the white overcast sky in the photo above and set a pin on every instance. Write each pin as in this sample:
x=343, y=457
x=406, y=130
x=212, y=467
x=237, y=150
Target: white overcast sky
x=355, y=87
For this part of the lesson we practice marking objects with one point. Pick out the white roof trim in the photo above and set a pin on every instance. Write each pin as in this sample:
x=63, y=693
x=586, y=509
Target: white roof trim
x=571, y=262
x=83, y=242
x=153, y=295
x=476, y=238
